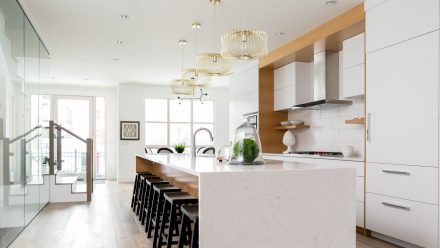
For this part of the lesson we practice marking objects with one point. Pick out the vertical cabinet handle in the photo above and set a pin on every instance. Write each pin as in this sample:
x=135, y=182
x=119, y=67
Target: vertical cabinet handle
x=369, y=127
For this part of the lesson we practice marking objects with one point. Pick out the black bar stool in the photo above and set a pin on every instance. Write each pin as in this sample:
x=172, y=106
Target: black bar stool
x=155, y=210
x=170, y=216
x=147, y=196
x=190, y=214
x=140, y=189
x=136, y=188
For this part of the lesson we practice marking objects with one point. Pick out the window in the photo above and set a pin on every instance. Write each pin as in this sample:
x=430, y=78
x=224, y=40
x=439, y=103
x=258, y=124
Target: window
x=169, y=121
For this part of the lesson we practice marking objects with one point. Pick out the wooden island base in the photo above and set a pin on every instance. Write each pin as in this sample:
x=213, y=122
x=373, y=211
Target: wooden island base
x=187, y=182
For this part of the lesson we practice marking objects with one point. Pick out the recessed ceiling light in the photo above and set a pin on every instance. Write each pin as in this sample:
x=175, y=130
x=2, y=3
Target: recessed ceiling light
x=182, y=42
x=53, y=77
x=115, y=60
x=331, y=3
x=124, y=16
x=119, y=42
x=86, y=79
x=279, y=34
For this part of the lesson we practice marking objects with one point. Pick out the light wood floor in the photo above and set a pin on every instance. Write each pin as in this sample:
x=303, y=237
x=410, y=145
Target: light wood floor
x=106, y=222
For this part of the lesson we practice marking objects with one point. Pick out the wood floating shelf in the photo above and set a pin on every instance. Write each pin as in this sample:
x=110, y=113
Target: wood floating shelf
x=358, y=121
x=292, y=127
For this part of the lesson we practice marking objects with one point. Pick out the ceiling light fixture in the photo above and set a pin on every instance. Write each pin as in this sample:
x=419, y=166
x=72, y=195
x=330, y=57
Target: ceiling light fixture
x=181, y=86
x=214, y=63
x=124, y=16
x=197, y=76
x=279, y=34
x=115, y=60
x=243, y=43
x=119, y=42
x=331, y=3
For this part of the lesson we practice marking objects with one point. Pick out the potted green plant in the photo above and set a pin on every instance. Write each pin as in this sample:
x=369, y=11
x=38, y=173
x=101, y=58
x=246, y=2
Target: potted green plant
x=180, y=147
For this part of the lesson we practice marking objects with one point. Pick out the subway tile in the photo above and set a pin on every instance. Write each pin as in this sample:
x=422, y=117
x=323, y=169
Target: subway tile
x=330, y=135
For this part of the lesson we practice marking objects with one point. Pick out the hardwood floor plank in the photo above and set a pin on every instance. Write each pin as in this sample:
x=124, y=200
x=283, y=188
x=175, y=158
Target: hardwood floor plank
x=105, y=222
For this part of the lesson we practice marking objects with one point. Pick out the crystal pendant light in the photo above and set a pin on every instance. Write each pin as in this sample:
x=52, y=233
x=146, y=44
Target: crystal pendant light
x=182, y=86
x=243, y=43
x=197, y=76
x=214, y=63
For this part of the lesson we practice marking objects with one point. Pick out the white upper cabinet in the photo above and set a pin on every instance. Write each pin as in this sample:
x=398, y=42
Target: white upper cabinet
x=372, y=3
x=292, y=85
x=353, y=69
x=353, y=51
x=402, y=103
x=394, y=21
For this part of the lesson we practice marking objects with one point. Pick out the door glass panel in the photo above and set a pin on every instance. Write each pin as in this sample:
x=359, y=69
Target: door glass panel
x=100, y=138
x=74, y=115
x=30, y=142
x=11, y=120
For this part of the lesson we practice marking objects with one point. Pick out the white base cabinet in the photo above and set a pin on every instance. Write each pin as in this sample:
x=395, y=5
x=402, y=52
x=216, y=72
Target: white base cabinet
x=410, y=221
x=407, y=182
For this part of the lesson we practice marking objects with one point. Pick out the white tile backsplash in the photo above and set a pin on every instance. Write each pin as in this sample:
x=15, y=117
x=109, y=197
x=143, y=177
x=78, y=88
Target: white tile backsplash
x=328, y=131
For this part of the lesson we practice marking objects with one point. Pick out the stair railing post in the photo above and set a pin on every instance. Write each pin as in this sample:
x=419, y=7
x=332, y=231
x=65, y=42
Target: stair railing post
x=89, y=168
x=59, y=147
x=51, y=148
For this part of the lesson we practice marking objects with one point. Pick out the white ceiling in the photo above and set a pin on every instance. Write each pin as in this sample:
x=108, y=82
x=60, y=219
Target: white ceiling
x=81, y=35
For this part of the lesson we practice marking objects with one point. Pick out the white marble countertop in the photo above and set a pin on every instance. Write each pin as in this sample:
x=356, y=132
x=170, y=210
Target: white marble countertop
x=357, y=159
x=209, y=164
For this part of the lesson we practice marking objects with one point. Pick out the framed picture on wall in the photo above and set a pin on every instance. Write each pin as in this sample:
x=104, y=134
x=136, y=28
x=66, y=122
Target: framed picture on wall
x=129, y=130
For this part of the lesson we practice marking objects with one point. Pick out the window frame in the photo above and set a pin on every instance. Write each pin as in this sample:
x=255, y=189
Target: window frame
x=169, y=122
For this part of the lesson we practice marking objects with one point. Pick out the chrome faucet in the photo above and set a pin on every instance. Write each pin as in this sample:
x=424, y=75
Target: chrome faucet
x=194, y=152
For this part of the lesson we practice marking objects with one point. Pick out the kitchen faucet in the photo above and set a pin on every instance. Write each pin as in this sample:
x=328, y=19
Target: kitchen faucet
x=194, y=152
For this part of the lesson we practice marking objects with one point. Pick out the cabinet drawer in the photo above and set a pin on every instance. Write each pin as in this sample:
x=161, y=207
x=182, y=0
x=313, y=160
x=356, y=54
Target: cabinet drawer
x=407, y=182
x=353, y=81
x=413, y=222
x=360, y=189
x=284, y=98
x=360, y=214
x=395, y=21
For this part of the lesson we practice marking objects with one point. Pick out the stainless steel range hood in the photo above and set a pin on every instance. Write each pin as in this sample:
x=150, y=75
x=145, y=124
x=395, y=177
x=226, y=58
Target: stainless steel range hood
x=325, y=81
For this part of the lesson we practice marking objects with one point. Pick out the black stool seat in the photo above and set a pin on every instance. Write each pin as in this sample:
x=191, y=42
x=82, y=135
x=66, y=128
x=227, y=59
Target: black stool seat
x=192, y=211
x=180, y=197
x=147, y=197
x=190, y=214
x=171, y=216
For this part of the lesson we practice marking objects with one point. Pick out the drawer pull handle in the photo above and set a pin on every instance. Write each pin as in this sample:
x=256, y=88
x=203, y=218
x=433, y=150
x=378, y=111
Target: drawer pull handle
x=397, y=172
x=393, y=205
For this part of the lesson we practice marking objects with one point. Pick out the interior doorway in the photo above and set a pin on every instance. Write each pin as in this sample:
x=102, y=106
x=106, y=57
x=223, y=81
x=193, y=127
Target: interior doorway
x=84, y=116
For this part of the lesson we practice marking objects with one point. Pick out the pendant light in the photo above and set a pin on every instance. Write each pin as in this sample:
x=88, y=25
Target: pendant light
x=214, y=63
x=243, y=43
x=198, y=77
x=182, y=86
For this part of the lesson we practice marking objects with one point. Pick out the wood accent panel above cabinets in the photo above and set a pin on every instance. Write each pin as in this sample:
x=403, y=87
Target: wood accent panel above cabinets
x=333, y=32
x=268, y=118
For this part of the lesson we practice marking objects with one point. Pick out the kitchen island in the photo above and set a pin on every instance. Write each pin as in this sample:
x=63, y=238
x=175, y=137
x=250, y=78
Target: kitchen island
x=279, y=204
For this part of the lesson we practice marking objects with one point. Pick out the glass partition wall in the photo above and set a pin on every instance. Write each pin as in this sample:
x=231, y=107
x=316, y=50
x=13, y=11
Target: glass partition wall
x=24, y=183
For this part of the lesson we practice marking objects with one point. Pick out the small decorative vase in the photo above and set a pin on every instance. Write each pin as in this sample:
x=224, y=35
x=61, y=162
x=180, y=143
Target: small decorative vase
x=289, y=140
x=347, y=151
x=180, y=149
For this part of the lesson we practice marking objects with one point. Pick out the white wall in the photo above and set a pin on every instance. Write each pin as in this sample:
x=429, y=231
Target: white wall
x=131, y=101
x=110, y=114
x=243, y=91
